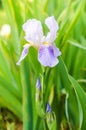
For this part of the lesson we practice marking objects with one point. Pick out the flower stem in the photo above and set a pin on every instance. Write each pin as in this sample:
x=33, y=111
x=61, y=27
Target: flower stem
x=43, y=86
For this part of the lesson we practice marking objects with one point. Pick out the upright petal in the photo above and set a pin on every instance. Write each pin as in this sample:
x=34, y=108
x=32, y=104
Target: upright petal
x=33, y=31
x=51, y=24
x=46, y=56
x=24, y=53
x=53, y=27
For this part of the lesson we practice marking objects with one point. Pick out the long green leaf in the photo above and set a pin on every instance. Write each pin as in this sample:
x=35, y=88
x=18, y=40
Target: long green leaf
x=27, y=98
x=11, y=102
x=82, y=98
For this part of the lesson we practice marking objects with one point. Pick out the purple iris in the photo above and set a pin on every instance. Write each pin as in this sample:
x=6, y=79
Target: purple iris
x=47, y=50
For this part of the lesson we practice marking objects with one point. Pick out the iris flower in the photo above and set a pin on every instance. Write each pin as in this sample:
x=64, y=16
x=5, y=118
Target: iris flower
x=47, y=50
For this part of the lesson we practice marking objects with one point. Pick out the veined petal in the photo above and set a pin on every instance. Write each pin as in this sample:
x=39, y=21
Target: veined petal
x=53, y=27
x=24, y=53
x=46, y=56
x=33, y=31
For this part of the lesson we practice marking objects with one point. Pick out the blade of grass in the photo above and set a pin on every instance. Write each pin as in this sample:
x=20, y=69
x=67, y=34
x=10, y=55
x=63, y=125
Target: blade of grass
x=27, y=98
x=73, y=21
x=82, y=98
x=7, y=4
x=76, y=44
x=11, y=102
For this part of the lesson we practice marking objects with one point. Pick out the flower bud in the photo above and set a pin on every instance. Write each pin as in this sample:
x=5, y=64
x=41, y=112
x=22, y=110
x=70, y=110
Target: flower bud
x=48, y=108
x=50, y=118
x=38, y=84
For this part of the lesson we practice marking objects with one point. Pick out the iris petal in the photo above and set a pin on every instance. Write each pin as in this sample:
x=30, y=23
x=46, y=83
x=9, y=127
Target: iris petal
x=24, y=53
x=53, y=27
x=57, y=52
x=46, y=56
x=33, y=31
x=52, y=24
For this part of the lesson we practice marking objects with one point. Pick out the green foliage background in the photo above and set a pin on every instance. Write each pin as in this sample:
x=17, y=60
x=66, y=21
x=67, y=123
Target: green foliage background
x=65, y=83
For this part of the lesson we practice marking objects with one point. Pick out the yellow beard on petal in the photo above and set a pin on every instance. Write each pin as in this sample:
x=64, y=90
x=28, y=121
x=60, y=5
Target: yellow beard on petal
x=45, y=43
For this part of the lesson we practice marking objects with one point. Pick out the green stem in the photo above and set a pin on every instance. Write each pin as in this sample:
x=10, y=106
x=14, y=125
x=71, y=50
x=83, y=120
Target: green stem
x=43, y=87
x=43, y=95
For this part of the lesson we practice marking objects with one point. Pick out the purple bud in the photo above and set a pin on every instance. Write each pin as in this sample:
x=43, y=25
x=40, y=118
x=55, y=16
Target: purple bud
x=38, y=84
x=48, y=108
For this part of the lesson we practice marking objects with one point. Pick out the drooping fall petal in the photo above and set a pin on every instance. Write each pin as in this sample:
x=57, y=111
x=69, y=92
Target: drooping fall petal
x=24, y=53
x=46, y=56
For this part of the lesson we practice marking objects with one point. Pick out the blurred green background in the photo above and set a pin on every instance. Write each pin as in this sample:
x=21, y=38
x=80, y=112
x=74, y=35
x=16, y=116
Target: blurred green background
x=66, y=94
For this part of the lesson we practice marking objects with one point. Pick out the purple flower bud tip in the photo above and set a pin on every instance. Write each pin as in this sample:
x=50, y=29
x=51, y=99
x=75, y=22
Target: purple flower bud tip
x=48, y=108
x=38, y=84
